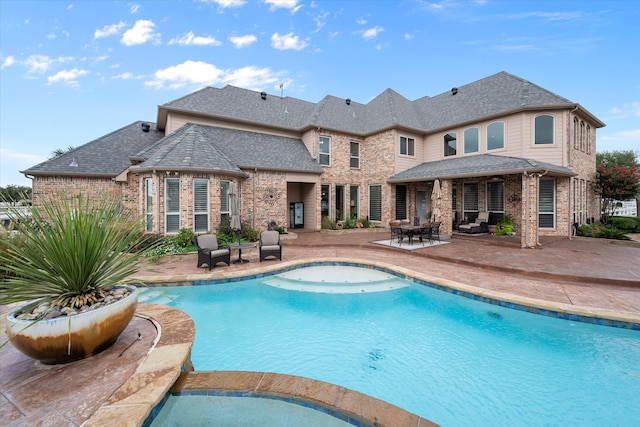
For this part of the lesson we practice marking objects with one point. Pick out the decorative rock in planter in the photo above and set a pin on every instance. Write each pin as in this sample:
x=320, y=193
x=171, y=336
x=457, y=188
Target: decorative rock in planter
x=65, y=338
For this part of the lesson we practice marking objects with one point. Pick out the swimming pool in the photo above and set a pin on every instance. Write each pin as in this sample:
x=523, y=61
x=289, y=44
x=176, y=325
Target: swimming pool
x=452, y=360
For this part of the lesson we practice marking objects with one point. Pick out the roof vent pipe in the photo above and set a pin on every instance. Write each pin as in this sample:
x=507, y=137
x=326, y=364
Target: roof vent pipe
x=145, y=127
x=348, y=101
x=263, y=95
x=454, y=90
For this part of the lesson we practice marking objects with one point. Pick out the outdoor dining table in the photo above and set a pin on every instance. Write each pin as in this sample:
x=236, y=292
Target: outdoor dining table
x=412, y=230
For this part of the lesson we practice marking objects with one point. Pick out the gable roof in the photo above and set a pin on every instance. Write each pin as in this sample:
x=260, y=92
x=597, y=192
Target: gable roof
x=496, y=95
x=104, y=157
x=475, y=166
x=203, y=148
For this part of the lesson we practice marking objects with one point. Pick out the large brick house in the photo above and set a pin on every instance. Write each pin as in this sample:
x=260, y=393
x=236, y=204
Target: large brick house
x=500, y=144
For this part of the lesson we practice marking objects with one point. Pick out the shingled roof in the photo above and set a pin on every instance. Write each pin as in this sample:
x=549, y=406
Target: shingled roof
x=203, y=148
x=104, y=157
x=496, y=95
x=477, y=165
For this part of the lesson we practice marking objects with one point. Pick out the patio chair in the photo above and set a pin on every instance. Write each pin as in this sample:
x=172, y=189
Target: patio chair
x=426, y=233
x=208, y=251
x=396, y=231
x=480, y=225
x=270, y=245
x=435, y=231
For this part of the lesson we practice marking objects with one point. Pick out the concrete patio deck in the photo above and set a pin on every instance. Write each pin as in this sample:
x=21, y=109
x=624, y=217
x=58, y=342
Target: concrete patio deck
x=589, y=274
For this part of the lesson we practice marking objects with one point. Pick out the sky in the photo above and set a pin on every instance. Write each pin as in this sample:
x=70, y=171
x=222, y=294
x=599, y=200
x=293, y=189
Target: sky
x=73, y=71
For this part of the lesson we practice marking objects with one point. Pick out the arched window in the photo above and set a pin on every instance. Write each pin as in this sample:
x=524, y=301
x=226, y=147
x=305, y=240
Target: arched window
x=495, y=136
x=471, y=137
x=576, y=144
x=543, y=130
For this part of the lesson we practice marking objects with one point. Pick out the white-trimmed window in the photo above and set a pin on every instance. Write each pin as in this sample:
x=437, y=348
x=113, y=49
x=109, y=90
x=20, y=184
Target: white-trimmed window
x=354, y=159
x=225, y=210
x=495, y=196
x=547, y=203
x=407, y=146
x=495, y=136
x=471, y=138
x=172, y=205
x=375, y=202
x=470, y=200
x=543, y=128
x=450, y=144
x=576, y=134
x=354, y=201
x=588, y=139
x=148, y=204
x=325, y=151
x=325, y=200
x=200, y=205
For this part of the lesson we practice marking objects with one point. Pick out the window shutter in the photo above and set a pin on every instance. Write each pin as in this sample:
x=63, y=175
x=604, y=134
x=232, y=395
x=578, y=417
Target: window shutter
x=546, y=203
x=375, y=203
x=495, y=196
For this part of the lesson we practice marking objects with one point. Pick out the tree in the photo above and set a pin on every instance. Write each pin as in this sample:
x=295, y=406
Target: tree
x=626, y=158
x=59, y=151
x=608, y=177
x=14, y=193
x=614, y=184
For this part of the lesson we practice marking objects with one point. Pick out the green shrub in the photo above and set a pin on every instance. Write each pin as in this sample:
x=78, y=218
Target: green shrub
x=504, y=227
x=601, y=231
x=630, y=224
x=328, y=223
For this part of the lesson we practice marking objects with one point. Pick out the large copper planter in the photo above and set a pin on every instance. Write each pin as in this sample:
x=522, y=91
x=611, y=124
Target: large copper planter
x=65, y=339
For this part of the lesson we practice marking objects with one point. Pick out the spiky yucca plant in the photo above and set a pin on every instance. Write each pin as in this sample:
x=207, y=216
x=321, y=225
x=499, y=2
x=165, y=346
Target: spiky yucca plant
x=67, y=250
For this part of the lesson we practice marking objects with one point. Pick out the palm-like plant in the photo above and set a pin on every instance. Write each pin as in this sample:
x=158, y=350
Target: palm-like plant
x=67, y=250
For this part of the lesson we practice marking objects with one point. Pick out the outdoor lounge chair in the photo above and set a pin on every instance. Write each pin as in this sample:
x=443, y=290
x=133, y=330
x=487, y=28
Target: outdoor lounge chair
x=480, y=225
x=270, y=244
x=208, y=251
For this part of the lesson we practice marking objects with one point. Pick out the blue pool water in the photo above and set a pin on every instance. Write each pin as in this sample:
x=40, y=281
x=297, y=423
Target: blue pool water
x=453, y=360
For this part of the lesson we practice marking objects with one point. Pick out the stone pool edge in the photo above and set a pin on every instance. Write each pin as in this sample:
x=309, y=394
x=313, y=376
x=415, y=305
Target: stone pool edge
x=564, y=311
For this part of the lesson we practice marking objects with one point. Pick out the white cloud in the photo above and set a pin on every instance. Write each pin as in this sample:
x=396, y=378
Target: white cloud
x=189, y=73
x=287, y=41
x=134, y=8
x=621, y=140
x=109, y=30
x=38, y=64
x=284, y=4
x=320, y=21
x=142, y=32
x=8, y=62
x=69, y=77
x=195, y=74
x=632, y=109
x=123, y=76
x=408, y=36
x=251, y=77
x=243, y=41
x=226, y=3
x=191, y=39
x=361, y=21
x=371, y=33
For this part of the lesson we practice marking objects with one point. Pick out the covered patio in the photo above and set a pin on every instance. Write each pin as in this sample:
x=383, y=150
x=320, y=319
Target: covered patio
x=535, y=194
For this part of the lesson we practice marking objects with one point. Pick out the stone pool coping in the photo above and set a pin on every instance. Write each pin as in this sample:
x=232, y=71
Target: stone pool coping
x=167, y=364
x=549, y=308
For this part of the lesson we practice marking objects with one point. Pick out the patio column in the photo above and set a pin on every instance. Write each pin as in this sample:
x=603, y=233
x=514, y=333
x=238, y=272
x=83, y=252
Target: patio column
x=529, y=235
x=446, y=226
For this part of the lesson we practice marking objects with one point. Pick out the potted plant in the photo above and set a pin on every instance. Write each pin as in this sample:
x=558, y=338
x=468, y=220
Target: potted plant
x=504, y=227
x=69, y=260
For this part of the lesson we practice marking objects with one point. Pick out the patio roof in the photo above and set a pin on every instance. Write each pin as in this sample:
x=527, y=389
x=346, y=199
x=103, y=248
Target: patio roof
x=477, y=166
